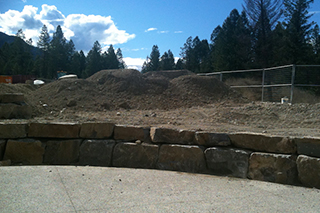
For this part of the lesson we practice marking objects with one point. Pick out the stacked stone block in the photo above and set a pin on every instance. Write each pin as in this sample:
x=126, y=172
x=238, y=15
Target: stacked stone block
x=12, y=105
x=294, y=161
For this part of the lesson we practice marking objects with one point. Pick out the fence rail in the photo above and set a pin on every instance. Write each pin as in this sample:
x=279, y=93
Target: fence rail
x=289, y=76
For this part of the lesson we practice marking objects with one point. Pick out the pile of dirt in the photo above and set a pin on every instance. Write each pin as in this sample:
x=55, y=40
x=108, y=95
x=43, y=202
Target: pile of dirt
x=17, y=88
x=130, y=89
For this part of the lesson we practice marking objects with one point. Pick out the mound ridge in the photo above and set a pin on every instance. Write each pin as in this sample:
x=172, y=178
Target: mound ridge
x=130, y=89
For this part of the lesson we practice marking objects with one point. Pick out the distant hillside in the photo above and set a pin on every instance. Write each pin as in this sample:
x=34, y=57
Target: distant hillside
x=9, y=39
x=5, y=38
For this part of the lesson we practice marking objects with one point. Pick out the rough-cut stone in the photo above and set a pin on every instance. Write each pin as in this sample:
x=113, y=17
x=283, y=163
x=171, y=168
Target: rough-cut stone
x=5, y=163
x=2, y=148
x=212, y=139
x=263, y=143
x=12, y=98
x=96, y=152
x=25, y=151
x=135, y=155
x=172, y=136
x=11, y=110
x=309, y=171
x=11, y=131
x=131, y=133
x=273, y=168
x=181, y=158
x=228, y=161
x=96, y=130
x=54, y=130
x=62, y=152
x=308, y=146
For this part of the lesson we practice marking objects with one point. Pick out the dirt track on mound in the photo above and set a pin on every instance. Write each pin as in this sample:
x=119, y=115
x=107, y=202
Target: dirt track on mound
x=177, y=99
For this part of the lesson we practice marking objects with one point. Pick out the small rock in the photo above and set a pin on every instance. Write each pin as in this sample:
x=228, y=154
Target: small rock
x=72, y=103
x=64, y=109
x=118, y=113
x=44, y=105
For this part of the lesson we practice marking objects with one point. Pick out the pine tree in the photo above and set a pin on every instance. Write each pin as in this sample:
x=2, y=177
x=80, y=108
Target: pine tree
x=298, y=30
x=180, y=65
x=122, y=64
x=167, y=61
x=58, y=50
x=231, y=43
x=94, y=60
x=263, y=15
x=20, y=34
x=315, y=41
x=112, y=59
x=44, y=39
x=152, y=62
x=42, y=63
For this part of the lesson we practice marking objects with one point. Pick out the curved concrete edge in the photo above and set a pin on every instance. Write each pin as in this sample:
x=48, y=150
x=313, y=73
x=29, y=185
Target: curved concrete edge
x=103, y=189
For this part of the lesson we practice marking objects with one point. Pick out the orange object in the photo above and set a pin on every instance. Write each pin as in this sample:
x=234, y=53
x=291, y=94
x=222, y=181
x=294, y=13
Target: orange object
x=5, y=79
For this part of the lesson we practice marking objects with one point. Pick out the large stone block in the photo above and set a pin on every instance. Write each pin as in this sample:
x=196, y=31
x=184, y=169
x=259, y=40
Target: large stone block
x=96, y=130
x=54, y=130
x=131, y=133
x=263, y=143
x=182, y=158
x=62, y=152
x=212, y=139
x=2, y=148
x=13, y=130
x=96, y=152
x=273, y=168
x=5, y=163
x=309, y=171
x=172, y=136
x=308, y=146
x=25, y=151
x=12, y=98
x=11, y=110
x=227, y=161
x=135, y=155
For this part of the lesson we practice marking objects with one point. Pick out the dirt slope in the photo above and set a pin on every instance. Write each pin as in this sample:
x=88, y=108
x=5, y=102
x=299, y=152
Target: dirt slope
x=178, y=99
x=129, y=89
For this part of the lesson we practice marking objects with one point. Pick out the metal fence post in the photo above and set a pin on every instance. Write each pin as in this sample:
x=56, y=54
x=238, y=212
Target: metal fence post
x=221, y=77
x=292, y=82
x=263, y=77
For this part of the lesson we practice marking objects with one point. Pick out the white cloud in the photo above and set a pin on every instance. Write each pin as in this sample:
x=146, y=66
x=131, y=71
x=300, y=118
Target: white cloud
x=151, y=29
x=165, y=31
x=84, y=30
x=134, y=63
x=178, y=31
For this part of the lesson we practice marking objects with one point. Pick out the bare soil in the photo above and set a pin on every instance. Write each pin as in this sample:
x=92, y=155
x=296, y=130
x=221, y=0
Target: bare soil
x=174, y=99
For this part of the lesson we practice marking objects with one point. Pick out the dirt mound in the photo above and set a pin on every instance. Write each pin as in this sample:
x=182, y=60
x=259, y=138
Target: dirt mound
x=127, y=80
x=17, y=88
x=170, y=74
x=129, y=89
x=202, y=87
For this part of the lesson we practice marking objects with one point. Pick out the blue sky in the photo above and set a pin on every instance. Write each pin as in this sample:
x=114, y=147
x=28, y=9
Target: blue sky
x=133, y=26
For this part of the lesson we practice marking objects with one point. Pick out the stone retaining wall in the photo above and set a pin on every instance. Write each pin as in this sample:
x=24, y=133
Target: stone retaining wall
x=285, y=160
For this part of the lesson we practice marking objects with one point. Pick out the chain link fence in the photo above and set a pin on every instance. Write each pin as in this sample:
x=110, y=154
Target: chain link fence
x=295, y=83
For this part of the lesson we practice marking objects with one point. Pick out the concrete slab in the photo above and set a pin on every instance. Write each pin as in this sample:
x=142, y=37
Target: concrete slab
x=103, y=189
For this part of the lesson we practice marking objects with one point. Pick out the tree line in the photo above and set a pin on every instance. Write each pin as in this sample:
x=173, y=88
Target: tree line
x=254, y=38
x=55, y=54
x=266, y=33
